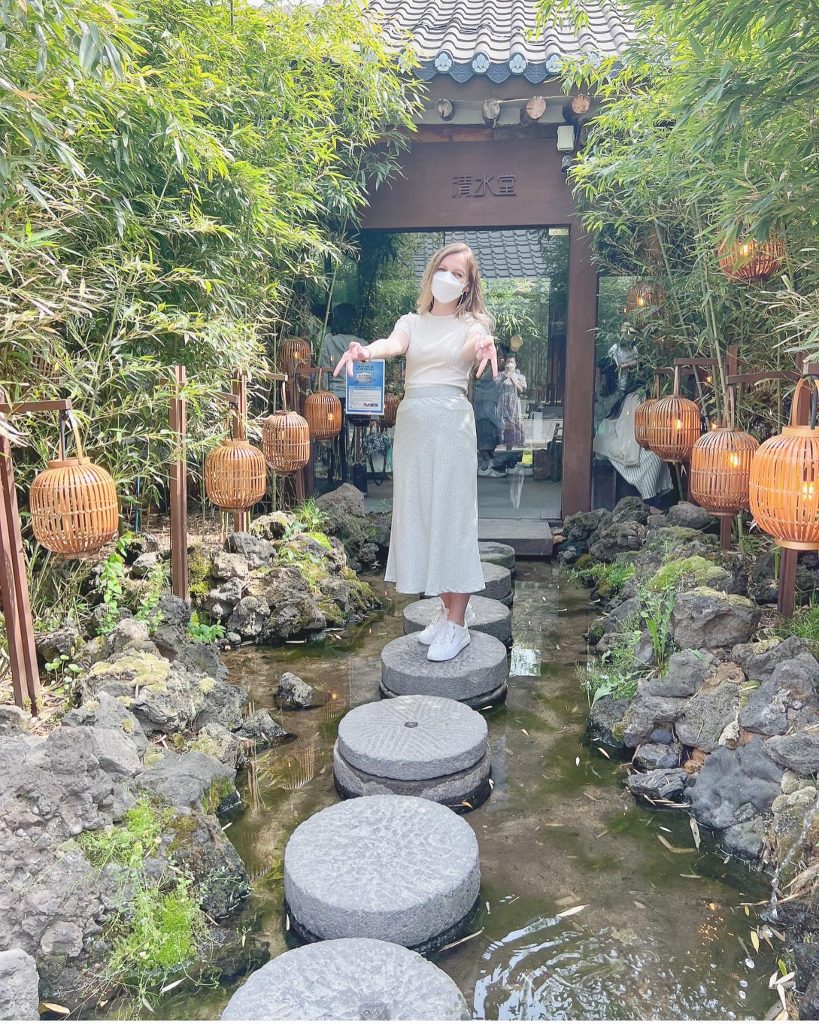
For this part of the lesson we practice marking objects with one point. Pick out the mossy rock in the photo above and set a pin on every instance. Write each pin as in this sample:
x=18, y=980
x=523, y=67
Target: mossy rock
x=694, y=571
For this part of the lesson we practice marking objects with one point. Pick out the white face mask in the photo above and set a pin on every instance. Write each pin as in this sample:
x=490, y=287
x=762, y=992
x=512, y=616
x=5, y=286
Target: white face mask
x=445, y=286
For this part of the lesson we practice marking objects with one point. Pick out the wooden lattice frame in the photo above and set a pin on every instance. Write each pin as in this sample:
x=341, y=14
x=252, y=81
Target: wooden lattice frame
x=784, y=484
x=643, y=297
x=295, y=357
x=74, y=505
x=391, y=403
x=323, y=412
x=721, y=470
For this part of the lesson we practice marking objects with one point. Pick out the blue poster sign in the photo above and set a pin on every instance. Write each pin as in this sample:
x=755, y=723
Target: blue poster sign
x=365, y=389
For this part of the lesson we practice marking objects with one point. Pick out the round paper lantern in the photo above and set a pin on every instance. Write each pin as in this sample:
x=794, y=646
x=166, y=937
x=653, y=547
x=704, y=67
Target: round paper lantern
x=674, y=424
x=74, y=506
x=749, y=261
x=643, y=297
x=322, y=410
x=784, y=485
x=721, y=469
x=391, y=403
x=295, y=356
x=235, y=475
x=286, y=440
x=641, y=422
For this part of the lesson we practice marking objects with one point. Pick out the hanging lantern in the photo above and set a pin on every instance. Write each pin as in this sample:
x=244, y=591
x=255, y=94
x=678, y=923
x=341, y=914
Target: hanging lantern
x=236, y=471
x=721, y=469
x=74, y=507
x=643, y=298
x=286, y=439
x=641, y=422
x=784, y=486
x=751, y=262
x=674, y=424
x=391, y=403
x=322, y=410
x=295, y=356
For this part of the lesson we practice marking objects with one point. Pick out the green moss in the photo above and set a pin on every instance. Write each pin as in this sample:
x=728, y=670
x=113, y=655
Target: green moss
x=128, y=843
x=220, y=789
x=161, y=936
x=321, y=538
x=608, y=578
x=694, y=571
x=198, y=573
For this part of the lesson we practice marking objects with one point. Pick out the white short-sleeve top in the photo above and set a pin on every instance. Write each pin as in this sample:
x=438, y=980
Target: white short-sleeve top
x=434, y=354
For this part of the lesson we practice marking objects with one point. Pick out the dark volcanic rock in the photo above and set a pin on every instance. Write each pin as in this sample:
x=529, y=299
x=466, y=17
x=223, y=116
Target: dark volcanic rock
x=658, y=755
x=262, y=729
x=706, y=618
x=294, y=694
x=706, y=715
x=734, y=785
x=605, y=720
x=685, y=673
x=659, y=784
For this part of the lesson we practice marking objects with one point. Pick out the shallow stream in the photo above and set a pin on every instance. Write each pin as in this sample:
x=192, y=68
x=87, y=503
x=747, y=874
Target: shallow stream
x=663, y=934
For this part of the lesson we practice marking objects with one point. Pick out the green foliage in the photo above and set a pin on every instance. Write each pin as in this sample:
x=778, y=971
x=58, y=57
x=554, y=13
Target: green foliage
x=112, y=574
x=205, y=632
x=309, y=518
x=693, y=571
x=62, y=669
x=155, y=585
x=173, y=175
x=608, y=578
x=707, y=134
x=656, y=610
x=198, y=573
x=158, y=925
x=805, y=623
x=614, y=673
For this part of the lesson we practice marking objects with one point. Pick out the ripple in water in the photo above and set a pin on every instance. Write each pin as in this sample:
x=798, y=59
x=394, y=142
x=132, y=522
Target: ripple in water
x=548, y=971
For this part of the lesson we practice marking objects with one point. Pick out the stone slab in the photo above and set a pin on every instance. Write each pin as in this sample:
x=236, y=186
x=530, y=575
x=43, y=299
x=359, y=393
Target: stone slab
x=492, y=617
x=348, y=979
x=413, y=737
x=498, y=582
x=462, y=791
x=479, y=669
x=483, y=702
x=497, y=554
x=396, y=868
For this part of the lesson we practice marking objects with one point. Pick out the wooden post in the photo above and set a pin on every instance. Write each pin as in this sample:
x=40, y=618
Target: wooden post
x=25, y=676
x=786, y=596
x=240, y=519
x=178, y=420
x=578, y=418
x=726, y=524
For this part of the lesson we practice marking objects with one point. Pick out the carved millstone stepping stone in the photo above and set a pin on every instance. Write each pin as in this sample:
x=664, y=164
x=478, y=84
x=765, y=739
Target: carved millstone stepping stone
x=498, y=583
x=397, y=868
x=497, y=554
x=477, y=676
x=491, y=617
x=348, y=979
x=414, y=746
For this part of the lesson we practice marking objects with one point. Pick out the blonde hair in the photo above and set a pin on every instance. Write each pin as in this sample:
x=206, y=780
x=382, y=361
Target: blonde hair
x=471, y=303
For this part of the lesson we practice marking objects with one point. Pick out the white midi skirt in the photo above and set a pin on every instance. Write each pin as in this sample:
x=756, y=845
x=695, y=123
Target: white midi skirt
x=434, y=539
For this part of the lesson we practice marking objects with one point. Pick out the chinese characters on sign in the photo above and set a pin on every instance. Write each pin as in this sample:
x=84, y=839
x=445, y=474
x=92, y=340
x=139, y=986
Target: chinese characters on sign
x=469, y=187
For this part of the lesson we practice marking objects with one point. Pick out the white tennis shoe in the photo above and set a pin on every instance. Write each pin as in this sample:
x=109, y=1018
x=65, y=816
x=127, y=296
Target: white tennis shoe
x=449, y=642
x=428, y=634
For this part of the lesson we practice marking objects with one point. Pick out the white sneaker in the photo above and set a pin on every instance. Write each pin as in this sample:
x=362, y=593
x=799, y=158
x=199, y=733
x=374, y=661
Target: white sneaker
x=449, y=642
x=428, y=634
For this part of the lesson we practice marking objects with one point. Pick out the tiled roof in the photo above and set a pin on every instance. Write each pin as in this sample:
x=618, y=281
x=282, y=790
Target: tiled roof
x=499, y=253
x=497, y=38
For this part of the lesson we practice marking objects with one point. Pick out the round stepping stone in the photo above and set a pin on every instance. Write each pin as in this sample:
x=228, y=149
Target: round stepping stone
x=397, y=868
x=492, y=617
x=430, y=747
x=497, y=554
x=348, y=979
x=498, y=582
x=477, y=676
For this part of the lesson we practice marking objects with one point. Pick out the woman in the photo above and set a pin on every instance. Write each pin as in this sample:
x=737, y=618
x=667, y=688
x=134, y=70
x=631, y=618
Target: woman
x=434, y=541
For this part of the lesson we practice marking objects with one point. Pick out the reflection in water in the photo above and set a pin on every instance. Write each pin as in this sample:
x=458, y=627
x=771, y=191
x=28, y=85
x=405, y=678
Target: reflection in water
x=661, y=933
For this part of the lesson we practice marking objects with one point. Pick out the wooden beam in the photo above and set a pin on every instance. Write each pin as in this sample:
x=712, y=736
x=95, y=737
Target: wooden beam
x=533, y=110
x=178, y=477
x=19, y=621
x=578, y=416
x=786, y=595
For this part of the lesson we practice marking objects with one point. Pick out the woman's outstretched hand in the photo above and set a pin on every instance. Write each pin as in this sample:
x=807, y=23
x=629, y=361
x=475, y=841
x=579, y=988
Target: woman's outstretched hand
x=485, y=352
x=356, y=353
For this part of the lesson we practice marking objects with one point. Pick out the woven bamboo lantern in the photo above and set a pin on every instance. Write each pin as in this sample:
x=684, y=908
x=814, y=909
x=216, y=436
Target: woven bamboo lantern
x=673, y=425
x=721, y=470
x=235, y=474
x=74, y=507
x=751, y=262
x=322, y=410
x=641, y=422
x=295, y=356
x=391, y=403
x=643, y=297
x=784, y=486
x=286, y=440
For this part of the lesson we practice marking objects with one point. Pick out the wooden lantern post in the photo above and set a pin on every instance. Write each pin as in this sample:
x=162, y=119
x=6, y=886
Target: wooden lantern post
x=25, y=677
x=240, y=519
x=178, y=478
